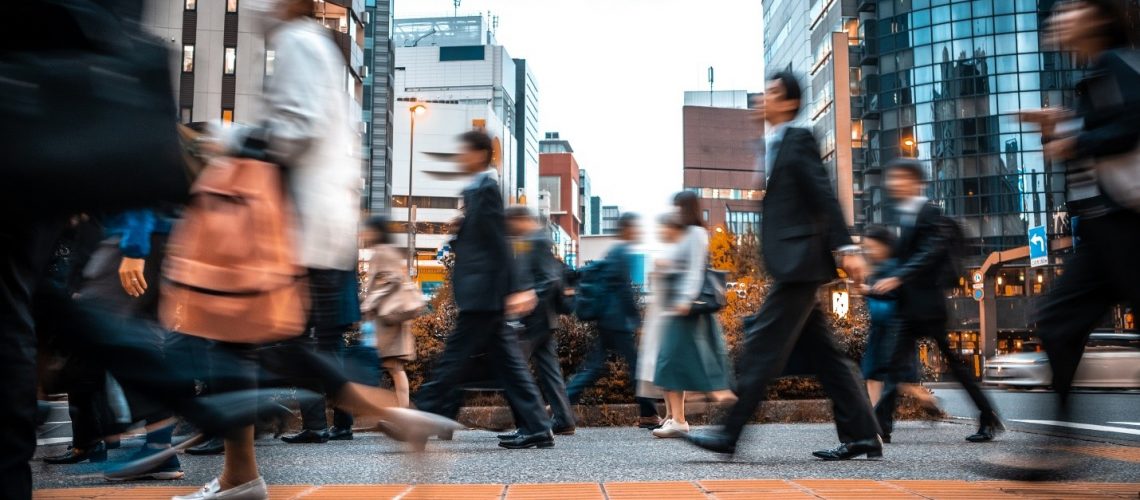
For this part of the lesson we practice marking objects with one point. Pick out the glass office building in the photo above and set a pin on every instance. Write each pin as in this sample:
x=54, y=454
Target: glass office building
x=942, y=82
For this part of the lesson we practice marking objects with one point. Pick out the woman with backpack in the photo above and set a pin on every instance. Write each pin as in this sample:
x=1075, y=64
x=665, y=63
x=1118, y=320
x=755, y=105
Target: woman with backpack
x=692, y=354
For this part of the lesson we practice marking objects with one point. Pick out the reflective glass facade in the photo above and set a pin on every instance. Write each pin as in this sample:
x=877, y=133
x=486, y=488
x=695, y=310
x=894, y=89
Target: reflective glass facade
x=942, y=81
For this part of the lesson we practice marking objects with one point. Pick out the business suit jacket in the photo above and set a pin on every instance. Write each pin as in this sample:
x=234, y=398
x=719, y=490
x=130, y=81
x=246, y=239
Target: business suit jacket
x=621, y=313
x=482, y=276
x=537, y=269
x=922, y=253
x=802, y=219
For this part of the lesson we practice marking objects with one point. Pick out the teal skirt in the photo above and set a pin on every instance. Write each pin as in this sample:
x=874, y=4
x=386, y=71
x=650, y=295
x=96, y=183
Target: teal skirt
x=693, y=356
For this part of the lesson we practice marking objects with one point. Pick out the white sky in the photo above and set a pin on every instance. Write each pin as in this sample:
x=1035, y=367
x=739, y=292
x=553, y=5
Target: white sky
x=612, y=75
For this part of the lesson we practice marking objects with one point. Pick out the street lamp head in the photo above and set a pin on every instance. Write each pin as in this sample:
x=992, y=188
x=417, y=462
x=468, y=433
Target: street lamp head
x=418, y=109
x=908, y=142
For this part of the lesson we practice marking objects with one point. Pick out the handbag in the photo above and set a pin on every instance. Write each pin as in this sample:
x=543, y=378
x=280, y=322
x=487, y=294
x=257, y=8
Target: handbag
x=396, y=300
x=713, y=293
x=1119, y=175
x=88, y=118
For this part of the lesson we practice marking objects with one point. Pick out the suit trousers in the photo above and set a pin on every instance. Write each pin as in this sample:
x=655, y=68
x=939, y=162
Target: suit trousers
x=594, y=367
x=908, y=332
x=541, y=348
x=1101, y=274
x=25, y=250
x=479, y=332
x=791, y=319
x=313, y=410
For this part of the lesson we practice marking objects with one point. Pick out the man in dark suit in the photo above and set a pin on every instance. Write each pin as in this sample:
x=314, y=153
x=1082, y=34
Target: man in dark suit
x=485, y=288
x=923, y=254
x=617, y=324
x=803, y=225
x=537, y=269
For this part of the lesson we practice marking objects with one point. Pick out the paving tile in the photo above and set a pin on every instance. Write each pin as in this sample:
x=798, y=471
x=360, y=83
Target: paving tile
x=563, y=491
x=854, y=489
x=454, y=492
x=673, y=490
x=356, y=492
x=754, y=488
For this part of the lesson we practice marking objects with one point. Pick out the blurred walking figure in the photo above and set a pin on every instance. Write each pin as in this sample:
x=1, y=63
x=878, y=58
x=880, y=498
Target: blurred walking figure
x=923, y=274
x=803, y=224
x=1098, y=144
x=485, y=291
x=388, y=270
x=693, y=356
x=618, y=321
x=883, y=380
x=537, y=268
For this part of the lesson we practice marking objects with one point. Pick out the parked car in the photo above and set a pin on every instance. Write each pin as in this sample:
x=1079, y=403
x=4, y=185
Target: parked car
x=1110, y=361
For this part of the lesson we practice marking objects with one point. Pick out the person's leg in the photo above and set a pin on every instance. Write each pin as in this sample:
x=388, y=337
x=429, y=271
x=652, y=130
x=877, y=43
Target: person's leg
x=769, y=340
x=519, y=386
x=470, y=337
x=314, y=415
x=676, y=401
x=885, y=409
x=623, y=344
x=395, y=369
x=549, y=376
x=593, y=368
x=25, y=248
x=960, y=368
x=854, y=419
x=874, y=390
x=336, y=347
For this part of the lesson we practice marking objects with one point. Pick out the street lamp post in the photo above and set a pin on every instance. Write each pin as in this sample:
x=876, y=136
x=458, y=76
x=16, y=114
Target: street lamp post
x=417, y=109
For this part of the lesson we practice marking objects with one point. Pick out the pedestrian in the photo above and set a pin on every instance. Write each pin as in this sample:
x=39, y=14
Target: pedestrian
x=883, y=381
x=803, y=225
x=692, y=356
x=395, y=343
x=537, y=268
x=485, y=292
x=670, y=231
x=619, y=322
x=923, y=250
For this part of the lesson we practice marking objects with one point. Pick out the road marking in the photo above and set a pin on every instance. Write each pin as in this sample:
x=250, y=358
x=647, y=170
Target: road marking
x=1087, y=427
x=1126, y=423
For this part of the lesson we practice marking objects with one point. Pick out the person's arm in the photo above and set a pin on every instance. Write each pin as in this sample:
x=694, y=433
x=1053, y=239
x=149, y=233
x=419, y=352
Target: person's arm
x=1121, y=133
x=138, y=225
x=524, y=265
x=932, y=250
x=623, y=277
x=816, y=184
x=547, y=270
x=693, y=273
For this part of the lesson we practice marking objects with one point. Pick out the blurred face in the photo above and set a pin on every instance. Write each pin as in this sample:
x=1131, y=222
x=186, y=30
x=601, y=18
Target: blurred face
x=669, y=234
x=876, y=250
x=777, y=107
x=903, y=185
x=631, y=232
x=472, y=160
x=1074, y=24
x=518, y=226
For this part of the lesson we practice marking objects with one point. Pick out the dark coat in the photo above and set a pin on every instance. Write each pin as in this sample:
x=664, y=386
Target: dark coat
x=922, y=254
x=537, y=269
x=621, y=312
x=802, y=219
x=483, y=274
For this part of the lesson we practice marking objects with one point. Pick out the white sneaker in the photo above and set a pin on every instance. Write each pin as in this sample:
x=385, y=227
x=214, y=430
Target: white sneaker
x=253, y=490
x=671, y=429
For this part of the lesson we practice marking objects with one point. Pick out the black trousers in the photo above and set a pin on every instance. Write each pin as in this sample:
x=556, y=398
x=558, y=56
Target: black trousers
x=885, y=409
x=25, y=249
x=594, y=367
x=1101, y=274
x=541, y=347
x=313, y=410
x=792, y=319
x=476, y=333
x=908, y=332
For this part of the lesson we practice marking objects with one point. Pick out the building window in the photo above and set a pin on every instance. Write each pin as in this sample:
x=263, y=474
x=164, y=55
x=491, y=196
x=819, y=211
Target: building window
x=705, y=214
x=270, y=56
x=191, y=5
x=227, y=116
x=231, y=5
x=230, y=61
x=186, y=115
x=187, y=58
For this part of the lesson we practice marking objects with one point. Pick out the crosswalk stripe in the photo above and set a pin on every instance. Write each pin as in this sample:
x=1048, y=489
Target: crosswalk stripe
x=1087, y=427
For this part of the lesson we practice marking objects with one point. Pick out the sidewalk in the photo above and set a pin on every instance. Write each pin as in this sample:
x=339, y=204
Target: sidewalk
x=681, y=490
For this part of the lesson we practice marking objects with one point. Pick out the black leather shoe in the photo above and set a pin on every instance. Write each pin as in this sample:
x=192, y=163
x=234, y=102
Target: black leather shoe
x=564, y=431
x=873, y=448
x=886, y=438
x=95, y=453
x=339, y=434
x=989, y=428
x=544, y=439
x=215, y=446
x=307, y=437
x=715, y=441
x=509, y=435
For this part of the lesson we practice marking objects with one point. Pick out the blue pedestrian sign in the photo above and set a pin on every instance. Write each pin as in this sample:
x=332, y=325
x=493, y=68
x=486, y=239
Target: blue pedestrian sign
x=1038, y=247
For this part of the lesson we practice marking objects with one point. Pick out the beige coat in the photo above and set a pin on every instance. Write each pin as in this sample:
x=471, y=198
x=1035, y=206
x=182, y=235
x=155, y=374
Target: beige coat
x=393, y=341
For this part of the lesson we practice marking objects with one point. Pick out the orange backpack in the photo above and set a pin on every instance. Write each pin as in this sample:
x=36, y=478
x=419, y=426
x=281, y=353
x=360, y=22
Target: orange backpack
x=231, y=271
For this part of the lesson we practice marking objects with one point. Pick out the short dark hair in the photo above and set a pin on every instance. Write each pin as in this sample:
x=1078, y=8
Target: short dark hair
x=910, y=166
x=518, y=212
x=791, y=85
x=627, y=220
x=689, y=208
x=382, y=225
x=478, y=140
x=880, y=234
x=1117, y=34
